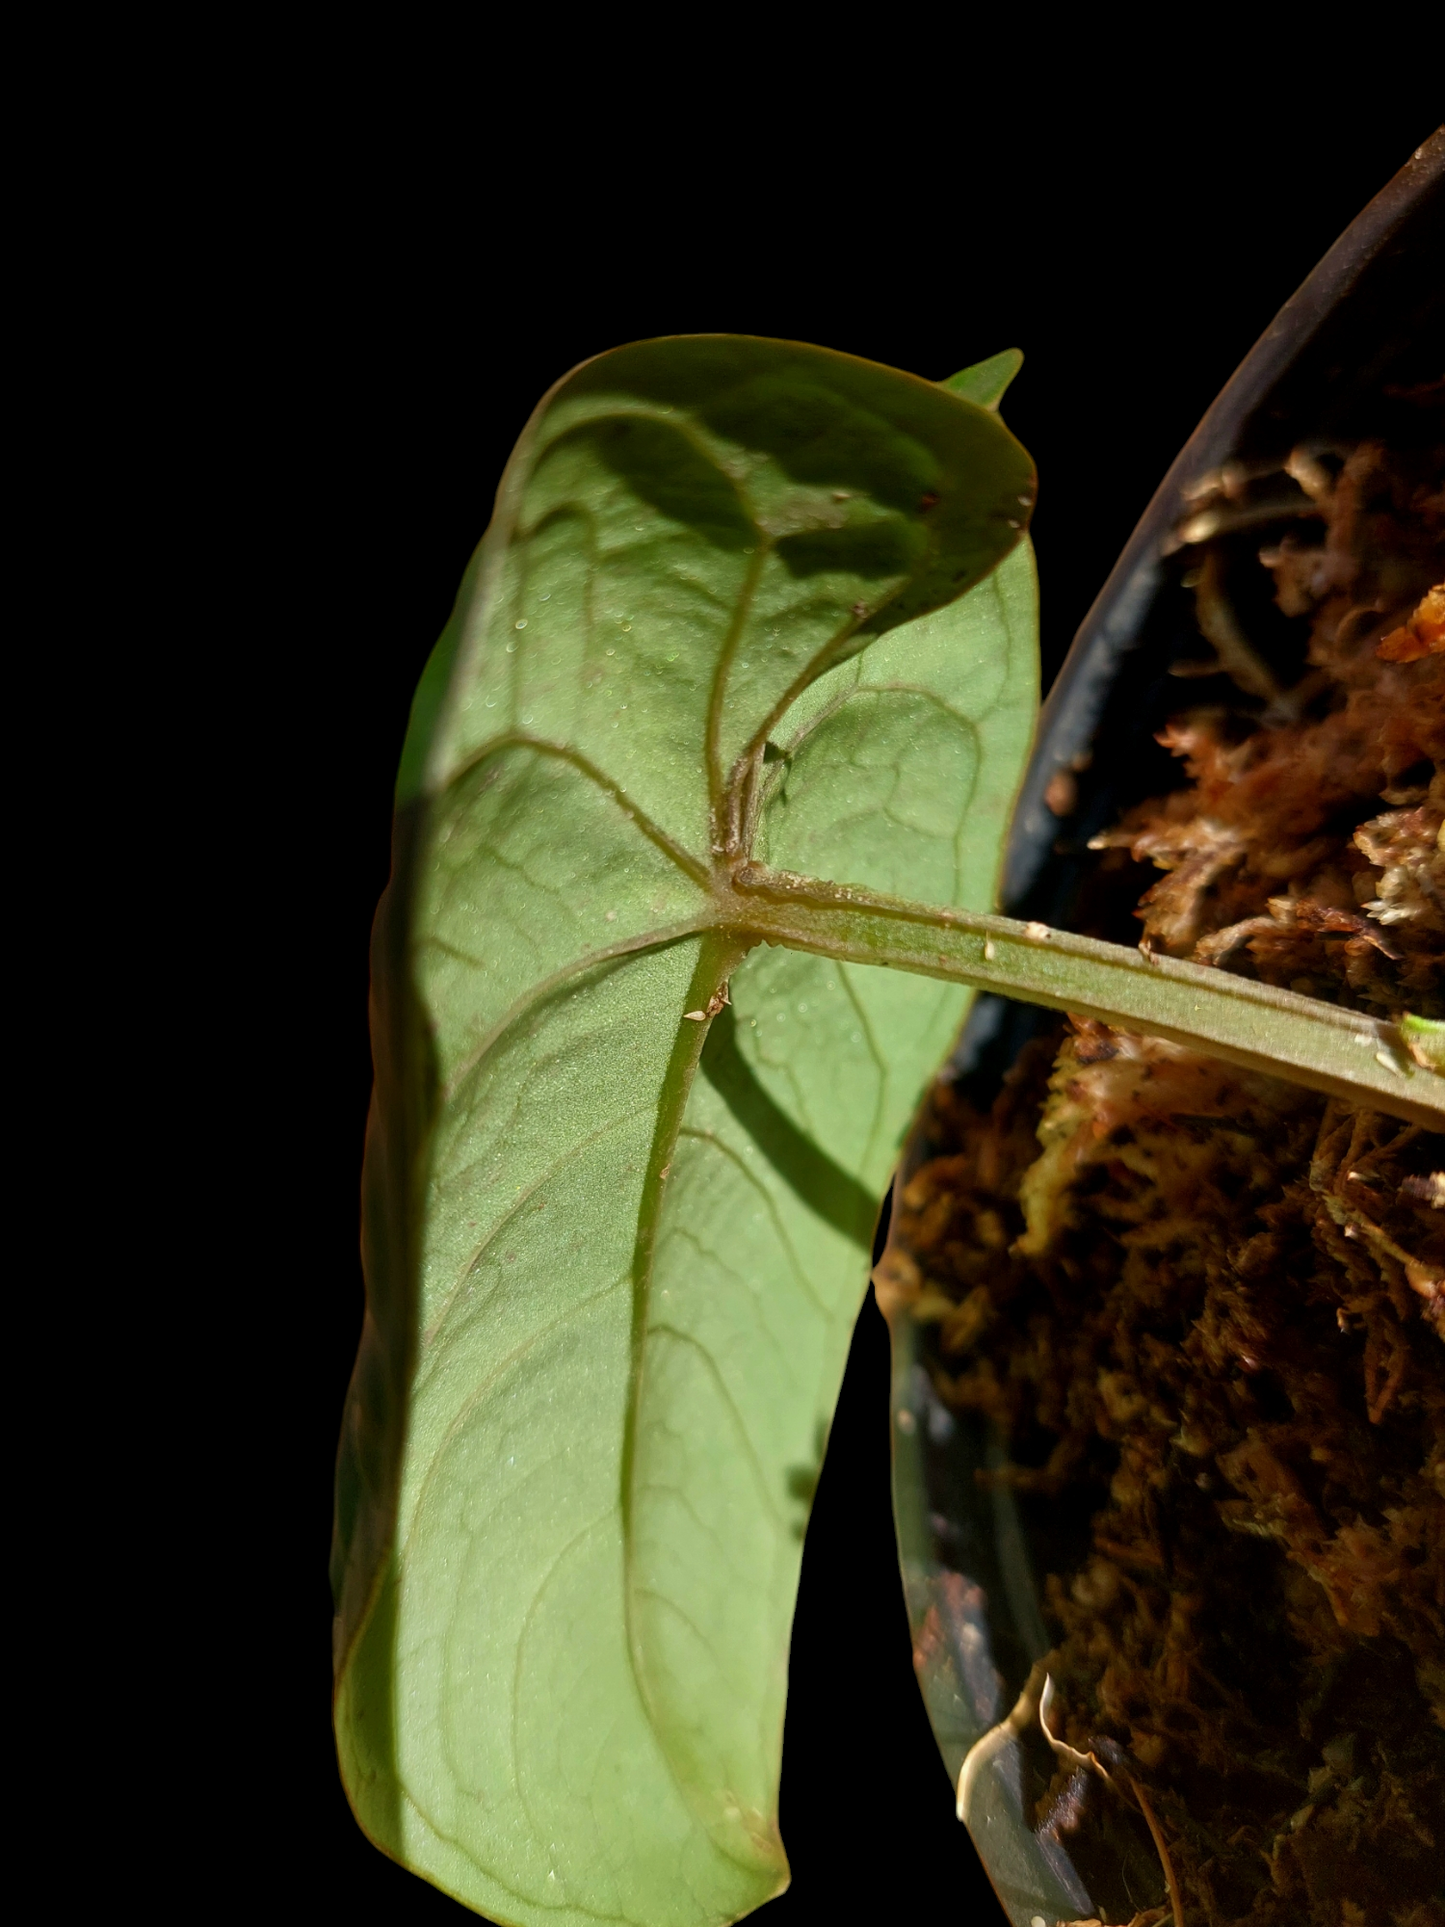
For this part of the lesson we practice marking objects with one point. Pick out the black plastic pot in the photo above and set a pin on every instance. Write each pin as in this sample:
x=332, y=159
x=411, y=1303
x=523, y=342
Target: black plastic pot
x=1367, y=326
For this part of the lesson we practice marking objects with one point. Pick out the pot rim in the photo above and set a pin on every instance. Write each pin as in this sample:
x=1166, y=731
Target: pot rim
x=1111, y=628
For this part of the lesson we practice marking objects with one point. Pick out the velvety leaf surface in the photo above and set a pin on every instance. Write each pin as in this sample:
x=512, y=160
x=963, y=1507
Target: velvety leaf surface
x=736, y=601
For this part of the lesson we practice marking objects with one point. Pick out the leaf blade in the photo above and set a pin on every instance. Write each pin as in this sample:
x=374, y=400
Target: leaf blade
x=585, y=1714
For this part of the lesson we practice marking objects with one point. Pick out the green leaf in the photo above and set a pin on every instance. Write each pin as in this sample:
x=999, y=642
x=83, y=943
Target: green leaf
x=735, y=608
x=1425, y=1039
x=986, y=381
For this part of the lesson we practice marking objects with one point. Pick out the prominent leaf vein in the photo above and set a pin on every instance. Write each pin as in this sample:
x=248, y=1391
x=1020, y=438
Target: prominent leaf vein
x=519, y=1204
x=711, y=1139
x=565, y=978
x=565, y=753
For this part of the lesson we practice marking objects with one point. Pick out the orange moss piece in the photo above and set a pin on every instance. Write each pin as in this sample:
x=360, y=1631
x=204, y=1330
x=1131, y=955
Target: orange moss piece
x=1422, y=635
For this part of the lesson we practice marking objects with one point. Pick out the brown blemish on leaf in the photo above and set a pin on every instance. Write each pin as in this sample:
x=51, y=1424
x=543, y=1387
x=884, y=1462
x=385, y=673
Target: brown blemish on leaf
x=718, y=1000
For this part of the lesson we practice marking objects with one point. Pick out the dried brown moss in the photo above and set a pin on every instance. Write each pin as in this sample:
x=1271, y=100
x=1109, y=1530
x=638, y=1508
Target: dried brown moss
x=1208, y=1308
x=1279, y=856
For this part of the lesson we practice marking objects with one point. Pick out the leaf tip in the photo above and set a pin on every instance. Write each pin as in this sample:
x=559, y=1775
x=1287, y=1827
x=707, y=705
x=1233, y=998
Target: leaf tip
x=984, y=382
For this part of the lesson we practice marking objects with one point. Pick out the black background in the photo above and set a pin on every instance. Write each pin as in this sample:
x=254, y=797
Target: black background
x=400, y=293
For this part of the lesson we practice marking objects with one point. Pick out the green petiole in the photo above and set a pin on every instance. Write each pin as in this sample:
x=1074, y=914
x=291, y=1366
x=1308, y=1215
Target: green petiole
x=1255, y=1025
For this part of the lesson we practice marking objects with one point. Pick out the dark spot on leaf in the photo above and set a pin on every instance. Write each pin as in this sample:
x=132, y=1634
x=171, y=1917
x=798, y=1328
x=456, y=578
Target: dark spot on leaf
x=802, y=1482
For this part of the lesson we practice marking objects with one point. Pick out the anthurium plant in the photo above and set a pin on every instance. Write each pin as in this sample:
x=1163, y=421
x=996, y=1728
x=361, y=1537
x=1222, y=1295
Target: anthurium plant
x=698, y=832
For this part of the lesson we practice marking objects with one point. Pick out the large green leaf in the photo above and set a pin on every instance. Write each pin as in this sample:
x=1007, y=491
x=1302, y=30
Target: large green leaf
x=736, y=605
